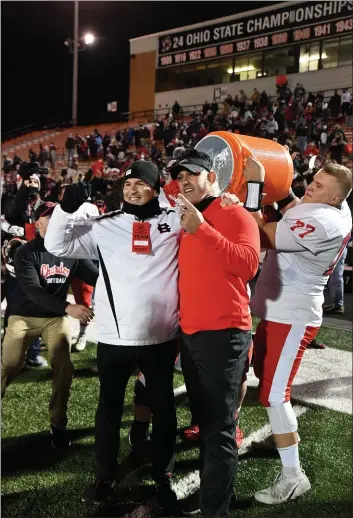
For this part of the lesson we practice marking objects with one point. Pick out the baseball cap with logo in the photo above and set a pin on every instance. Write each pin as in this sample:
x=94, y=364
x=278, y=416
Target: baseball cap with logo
x=145, y=171
x=193, y=161
x=44, y=209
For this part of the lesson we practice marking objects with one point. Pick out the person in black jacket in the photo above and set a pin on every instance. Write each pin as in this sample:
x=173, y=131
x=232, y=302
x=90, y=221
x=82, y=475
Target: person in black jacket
x=337, y=148
x=40, y=309
x=19, y=209
x=70, y=145
x=335, y=105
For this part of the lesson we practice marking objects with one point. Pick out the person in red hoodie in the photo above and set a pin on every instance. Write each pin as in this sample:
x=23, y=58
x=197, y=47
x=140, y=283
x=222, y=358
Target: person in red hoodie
x=311, y=150
x=203, y=131
x=218, y=255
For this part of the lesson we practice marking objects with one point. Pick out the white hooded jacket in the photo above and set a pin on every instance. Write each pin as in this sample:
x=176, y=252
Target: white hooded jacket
x=136, y=295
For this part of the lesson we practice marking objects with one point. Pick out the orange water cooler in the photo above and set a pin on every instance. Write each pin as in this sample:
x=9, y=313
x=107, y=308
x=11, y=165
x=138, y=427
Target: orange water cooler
x=229, y=151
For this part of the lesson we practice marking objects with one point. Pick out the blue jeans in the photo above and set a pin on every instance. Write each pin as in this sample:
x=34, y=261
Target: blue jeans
x=302, y=143
x=34, y=351
x=70, y=155
x=335, y=283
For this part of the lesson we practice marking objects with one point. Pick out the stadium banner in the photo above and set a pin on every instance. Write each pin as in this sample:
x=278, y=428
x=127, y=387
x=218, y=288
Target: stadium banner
x=295, y=24
x=112, y=106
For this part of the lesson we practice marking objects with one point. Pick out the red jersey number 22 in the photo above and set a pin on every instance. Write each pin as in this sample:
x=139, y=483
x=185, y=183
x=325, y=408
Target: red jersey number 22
x=300, y=224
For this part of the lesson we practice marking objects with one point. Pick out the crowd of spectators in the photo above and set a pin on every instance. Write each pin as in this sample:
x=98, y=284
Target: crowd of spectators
x=304, y=122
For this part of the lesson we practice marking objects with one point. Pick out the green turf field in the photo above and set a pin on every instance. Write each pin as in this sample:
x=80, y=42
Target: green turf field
x=38, y=483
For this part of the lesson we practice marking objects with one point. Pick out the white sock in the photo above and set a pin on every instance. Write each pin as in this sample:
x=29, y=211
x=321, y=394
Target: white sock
x=290, y=460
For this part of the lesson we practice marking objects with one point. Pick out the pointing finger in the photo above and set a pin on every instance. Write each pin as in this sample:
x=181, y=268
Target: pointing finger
x=186, y=202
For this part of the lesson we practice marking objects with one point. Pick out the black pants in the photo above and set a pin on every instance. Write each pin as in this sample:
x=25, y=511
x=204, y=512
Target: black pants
x=213, y=364
x=115, y=366
x=345, y=108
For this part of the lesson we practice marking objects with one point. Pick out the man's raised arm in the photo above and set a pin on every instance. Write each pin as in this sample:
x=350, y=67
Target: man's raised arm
x=70, y=229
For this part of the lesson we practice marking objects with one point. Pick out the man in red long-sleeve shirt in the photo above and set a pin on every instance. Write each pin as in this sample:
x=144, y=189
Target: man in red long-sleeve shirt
x=311, y=149
x=219, y=254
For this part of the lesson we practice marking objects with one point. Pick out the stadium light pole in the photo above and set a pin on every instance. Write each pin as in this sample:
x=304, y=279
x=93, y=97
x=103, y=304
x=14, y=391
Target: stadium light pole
x=75, y=67
x=76, y=45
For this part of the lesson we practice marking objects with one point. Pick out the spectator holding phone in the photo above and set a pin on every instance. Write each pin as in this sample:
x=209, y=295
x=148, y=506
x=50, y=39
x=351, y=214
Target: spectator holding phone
x=19, y=209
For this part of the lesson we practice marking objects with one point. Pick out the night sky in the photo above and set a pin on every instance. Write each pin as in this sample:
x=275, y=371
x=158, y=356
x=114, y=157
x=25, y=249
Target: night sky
x=37, y=66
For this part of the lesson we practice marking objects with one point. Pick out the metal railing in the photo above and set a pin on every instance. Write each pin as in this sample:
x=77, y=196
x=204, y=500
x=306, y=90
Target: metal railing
x=187, y=110
x=125, y=117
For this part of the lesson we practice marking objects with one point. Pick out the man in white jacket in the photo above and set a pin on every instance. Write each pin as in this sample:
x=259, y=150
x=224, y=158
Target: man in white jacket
x=272, y=126
x=346, y=98
x=137, y=314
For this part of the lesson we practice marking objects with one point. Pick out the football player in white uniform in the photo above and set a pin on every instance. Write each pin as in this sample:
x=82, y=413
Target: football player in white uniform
x=303, y=250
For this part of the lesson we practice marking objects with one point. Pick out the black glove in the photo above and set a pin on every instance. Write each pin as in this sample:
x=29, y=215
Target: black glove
x=24, y=171
x=286, y=201
x=74, y=195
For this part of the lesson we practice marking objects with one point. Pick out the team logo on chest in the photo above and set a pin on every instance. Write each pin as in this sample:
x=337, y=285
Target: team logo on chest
x=48, y=271
x=164, y=227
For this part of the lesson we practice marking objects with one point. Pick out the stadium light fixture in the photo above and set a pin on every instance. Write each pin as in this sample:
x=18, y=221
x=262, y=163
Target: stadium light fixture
x=89, y=38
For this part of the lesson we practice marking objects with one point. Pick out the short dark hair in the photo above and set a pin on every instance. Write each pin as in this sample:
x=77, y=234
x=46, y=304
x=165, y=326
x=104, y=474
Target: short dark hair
x=342, y=174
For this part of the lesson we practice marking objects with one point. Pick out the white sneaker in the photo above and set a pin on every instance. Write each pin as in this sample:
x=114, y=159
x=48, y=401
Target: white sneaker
x=81, y=343
x=37, y=361
x=284, y=489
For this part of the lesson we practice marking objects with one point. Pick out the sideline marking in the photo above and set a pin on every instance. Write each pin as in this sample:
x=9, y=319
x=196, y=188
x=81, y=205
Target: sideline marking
x=191, y=483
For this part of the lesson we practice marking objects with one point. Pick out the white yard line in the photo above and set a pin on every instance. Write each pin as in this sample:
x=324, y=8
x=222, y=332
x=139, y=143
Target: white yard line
x=324, y=379
x=180, y=390
x=191, y=483
x=265, y=431
x=188, y=485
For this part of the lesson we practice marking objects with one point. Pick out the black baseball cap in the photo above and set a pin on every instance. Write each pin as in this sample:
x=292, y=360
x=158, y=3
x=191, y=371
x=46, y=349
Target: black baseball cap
x=195, y=163
x=145, y=171
x=44, y=209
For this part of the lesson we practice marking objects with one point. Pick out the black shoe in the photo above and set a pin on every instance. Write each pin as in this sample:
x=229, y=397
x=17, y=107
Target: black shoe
x=166, y=500
x=100, y=491
x=333, y=310
x=314, y=344
x=141, y=447
x=59, y=439
x=190, y=506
